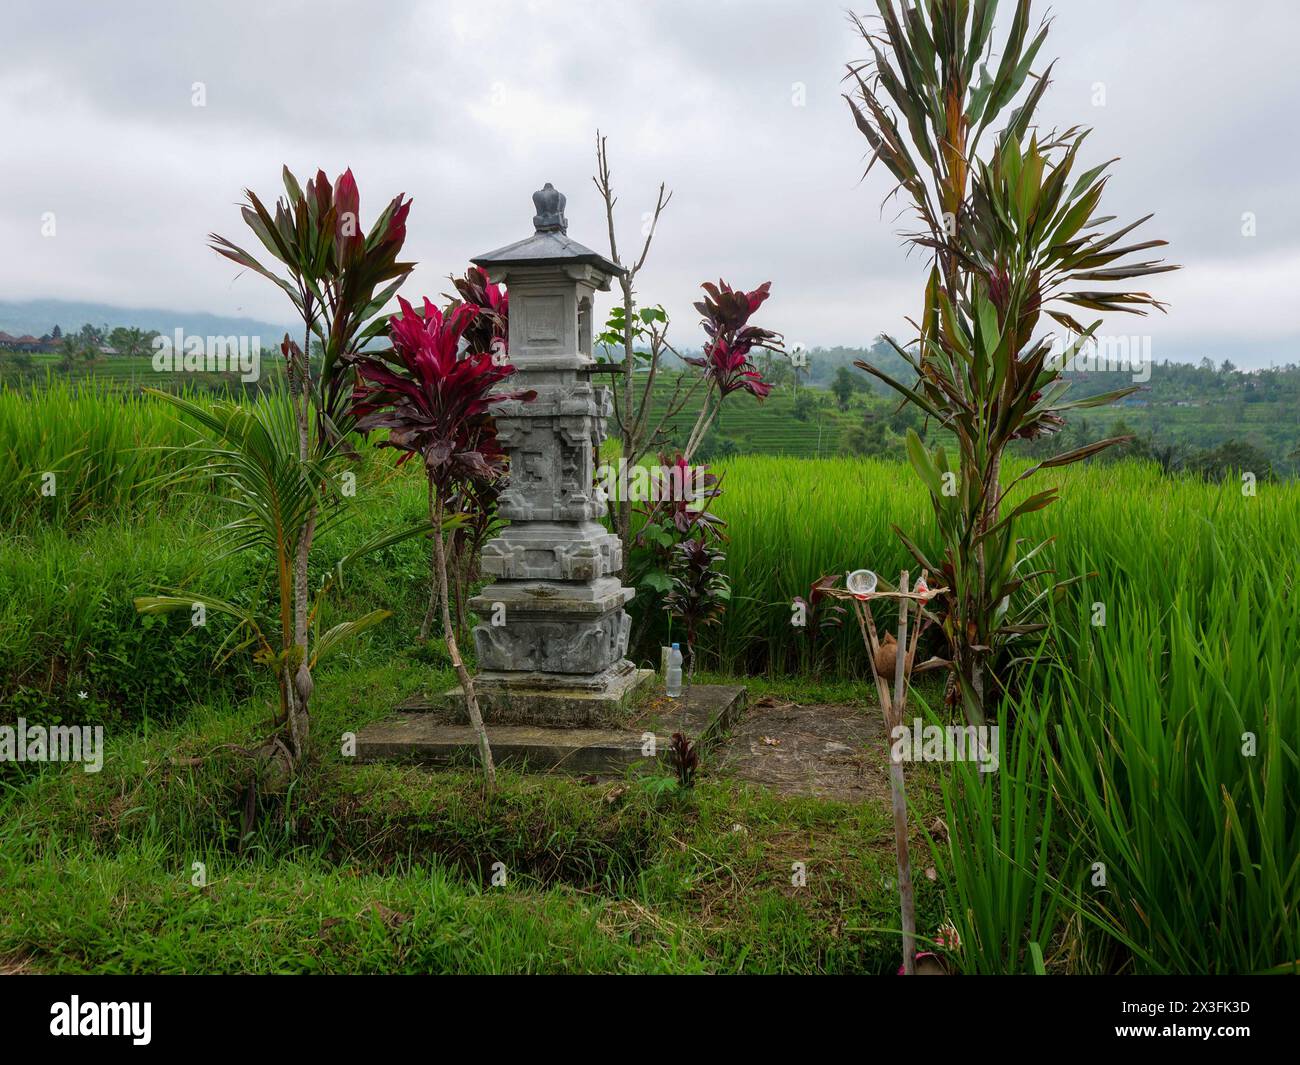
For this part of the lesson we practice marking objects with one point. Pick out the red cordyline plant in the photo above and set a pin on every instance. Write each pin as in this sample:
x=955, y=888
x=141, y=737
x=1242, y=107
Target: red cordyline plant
x=434, y=403
x=489, y=329
x=432, y=400
x=474, y=510
x=681, y=495
x=725, y=314
x=1014, y=232
x=339, y=278
x=678, y=509
x=699, y=592
x=685, y=759
x=474, y=506
x=820, y=615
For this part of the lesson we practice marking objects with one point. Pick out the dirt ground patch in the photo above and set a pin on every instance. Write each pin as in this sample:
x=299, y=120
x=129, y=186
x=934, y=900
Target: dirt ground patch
x=829, y=751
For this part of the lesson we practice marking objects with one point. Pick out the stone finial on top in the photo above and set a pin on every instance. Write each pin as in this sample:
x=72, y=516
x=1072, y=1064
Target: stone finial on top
x=550, y=210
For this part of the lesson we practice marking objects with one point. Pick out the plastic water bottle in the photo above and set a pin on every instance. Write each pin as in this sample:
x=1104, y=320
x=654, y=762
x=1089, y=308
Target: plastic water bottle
x=673, y=679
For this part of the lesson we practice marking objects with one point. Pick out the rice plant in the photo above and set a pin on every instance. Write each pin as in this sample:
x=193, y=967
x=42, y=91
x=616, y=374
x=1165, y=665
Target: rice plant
x=1178, y=732
x=73, y=453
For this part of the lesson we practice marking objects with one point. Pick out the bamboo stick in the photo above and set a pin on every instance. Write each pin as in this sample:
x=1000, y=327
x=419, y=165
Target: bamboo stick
x=893, y=707
x=898, y=794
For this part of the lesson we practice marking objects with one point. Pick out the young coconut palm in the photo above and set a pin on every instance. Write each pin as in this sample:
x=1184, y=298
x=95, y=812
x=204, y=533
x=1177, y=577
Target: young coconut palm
x=339, y=278
x=434, y=403
x=251, y=451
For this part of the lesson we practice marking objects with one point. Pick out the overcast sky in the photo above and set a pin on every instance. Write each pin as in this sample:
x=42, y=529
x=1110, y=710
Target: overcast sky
x=469, y=107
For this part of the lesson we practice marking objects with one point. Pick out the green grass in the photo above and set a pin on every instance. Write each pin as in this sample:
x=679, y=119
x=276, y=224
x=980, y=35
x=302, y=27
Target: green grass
x=386, y=869
x=136, y=371
x=1178, y=768
x=67, y=620
x=792, y=521
x=1146, y=713
x=72, y=454
x=769, y=427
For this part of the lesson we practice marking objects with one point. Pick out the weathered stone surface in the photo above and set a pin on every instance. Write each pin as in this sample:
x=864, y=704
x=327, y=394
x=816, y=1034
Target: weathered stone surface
x=545, y=550
x=705, y=712
x=552, y=463
x=424, y=740
x=605, y=699
x=553, y=618
x=428, y=732
x=546, y=643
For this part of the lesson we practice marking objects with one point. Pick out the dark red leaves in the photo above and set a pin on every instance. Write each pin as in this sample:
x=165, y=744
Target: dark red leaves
x=348, y=239
x=682, y=494
x=725, y=317
x=488, y=332
x=433, y=400
x=339, y=276
x=685, y=758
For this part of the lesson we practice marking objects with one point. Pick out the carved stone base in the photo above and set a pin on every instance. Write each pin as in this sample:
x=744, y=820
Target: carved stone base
x=551, y=627
x=579, y=551
x=613, y=679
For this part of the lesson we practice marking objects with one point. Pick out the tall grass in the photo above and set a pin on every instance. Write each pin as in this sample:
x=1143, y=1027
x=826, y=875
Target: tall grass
x=1004, y=853
x=1130, y=750
x=73, y=453
x=1145, y=817
x=1128, y=803
x=70, y=637
x=117, y=526
x=1178, y=739
x=791, y=521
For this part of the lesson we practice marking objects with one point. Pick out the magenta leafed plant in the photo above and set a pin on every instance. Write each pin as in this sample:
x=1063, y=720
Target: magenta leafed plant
x=682, y=493
x=726, y=362
x=488, y=330
x=432, y=400
x=822, y=614
x=685, y=758
x=732, y=371
x=726, y=313
x=340, y=276
x=699, y=589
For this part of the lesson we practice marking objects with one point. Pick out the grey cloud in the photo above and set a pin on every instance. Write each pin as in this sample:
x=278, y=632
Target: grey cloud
x=469, y=106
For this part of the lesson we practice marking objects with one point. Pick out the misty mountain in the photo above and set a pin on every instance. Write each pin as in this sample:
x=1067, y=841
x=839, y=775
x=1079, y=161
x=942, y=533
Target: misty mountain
x=38, y=317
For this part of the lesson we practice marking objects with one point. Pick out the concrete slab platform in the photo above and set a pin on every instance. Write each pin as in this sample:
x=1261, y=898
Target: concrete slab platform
x=432, y=737
x=509, y=701
x=705, y=712
x=423, y=739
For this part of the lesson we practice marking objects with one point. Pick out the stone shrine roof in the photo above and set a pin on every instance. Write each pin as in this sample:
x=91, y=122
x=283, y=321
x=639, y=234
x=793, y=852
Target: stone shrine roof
x=550, y=244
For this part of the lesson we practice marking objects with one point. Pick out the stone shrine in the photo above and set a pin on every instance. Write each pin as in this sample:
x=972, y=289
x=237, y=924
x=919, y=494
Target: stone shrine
x=553, y=637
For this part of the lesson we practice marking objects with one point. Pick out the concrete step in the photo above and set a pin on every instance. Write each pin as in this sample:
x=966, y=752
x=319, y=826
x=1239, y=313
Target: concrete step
x=425, y=738
x=705, y=712
x=511, y=701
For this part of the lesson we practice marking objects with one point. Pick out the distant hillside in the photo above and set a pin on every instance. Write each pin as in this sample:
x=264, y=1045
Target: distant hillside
x=38, y=317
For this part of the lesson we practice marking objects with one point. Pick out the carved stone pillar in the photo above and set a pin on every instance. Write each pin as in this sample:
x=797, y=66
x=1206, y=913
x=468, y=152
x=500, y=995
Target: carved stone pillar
x=553, y=619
